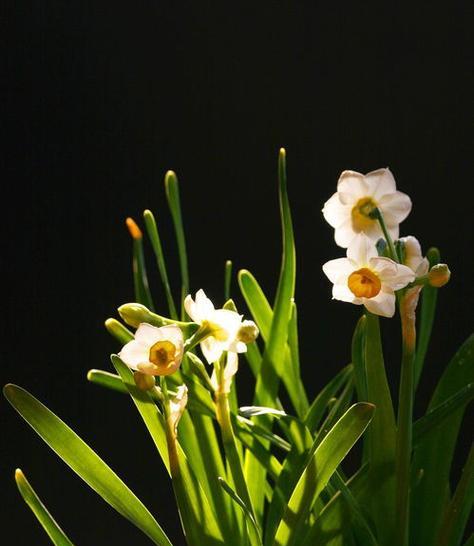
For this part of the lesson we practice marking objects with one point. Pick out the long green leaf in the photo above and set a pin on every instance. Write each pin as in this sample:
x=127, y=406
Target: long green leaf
x=199, y=521
x=429, y=296
x=253, y=531
x=174, y=203
x=49, y=524
x=320, y=404
x=460, y=507
x=266, y=390
x=433, y=456
x=153, y=234
x=84, y=461
x=380, y=435
x=140, y=277
x=325, y=460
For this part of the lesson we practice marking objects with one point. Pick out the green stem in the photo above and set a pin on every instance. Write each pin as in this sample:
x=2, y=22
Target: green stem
x=391, y=247
x=405, y=416
x=228, y=440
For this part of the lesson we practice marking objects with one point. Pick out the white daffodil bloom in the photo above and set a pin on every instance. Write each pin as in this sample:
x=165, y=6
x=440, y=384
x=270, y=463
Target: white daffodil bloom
x=413, y=257
x=223, y=323
x=349, y=210
x=364, y=278
x=154, y=351
x=230, y=370
x=178, y=405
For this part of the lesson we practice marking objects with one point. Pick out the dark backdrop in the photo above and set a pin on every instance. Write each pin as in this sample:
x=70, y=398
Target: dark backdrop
x=101, y=98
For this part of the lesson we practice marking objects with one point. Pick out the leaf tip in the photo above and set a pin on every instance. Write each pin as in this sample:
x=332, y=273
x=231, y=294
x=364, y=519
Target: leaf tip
x=134, y=230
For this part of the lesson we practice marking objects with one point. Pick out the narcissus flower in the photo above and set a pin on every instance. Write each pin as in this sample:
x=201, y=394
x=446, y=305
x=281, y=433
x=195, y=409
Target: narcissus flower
x=364, y=278
x=349, y=210
x=413, y=256
x=224, y=326
x=154, y=351
x=178, y=405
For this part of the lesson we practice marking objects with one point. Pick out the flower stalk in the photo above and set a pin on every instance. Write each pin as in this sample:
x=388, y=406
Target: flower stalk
x=405, y=415
x=391, y=247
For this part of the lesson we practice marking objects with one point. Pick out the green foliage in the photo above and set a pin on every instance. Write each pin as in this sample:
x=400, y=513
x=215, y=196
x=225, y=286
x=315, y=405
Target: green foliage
x=271, y=473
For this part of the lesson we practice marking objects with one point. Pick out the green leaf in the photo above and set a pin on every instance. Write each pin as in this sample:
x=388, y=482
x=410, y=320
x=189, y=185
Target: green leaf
x=358, y=359
x=252, y=411
x=198, y=519
x=140, y=277
x=266, y=390
x=118, y=331
x=325, y=460
x=172, y=195
x=49, y=524
x=333, y=526
x=84, y=461
x=263, y=315
x=227, y=279
x=460, y=507
x=154, y=236
x=253, y=531
x=433, y=456
x=437, y=415
x=429, y=296
x=381, y=435
x=320, y=404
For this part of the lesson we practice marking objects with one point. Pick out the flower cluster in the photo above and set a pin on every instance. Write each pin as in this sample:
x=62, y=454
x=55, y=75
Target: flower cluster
x=364, y=210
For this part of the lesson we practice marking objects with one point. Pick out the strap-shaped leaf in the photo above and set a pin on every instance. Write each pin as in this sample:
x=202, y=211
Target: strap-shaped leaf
x=56, y=534
x=433, y=456
x=380, y=435
x=140, y=277
x=84, y=461
x=460, y=507
x=327, y=457
x=199, y=521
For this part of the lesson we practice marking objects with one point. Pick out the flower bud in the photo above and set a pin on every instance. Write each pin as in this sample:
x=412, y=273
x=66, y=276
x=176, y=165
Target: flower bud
x=248, y=332
x=143, y=381
x=135, y=313
x=439, y=275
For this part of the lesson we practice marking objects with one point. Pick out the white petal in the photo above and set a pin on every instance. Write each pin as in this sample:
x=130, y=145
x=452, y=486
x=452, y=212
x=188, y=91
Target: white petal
x=334, y=212
x=174, y=334
x=232, y=365
x=352, y=183
x=199, y=309
x=400, y=278
x=395, y=207
x=148, y=334
x=338, y=269
x=237, y=347
x=341, y=292
x=344, y=234
x=383, y=304
x=134, y=353
x=212, y=349
x=381, y=182
x=413, y=256
x=384, y=267
x=227, y=319
x=362, y=249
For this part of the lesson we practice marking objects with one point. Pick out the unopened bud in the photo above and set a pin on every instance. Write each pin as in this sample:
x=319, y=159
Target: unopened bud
x=133, y=228
x=248, y=332
x=144, y=381
x=439, y=275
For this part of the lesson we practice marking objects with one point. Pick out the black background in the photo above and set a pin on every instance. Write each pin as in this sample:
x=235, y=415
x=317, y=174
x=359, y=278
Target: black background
x=101, y=98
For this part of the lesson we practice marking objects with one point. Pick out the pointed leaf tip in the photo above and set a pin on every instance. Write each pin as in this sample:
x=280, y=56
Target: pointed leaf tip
x=134, y=230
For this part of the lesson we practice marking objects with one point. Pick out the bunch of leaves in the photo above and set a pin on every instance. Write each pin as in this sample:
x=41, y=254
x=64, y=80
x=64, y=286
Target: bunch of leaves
x=278, y=480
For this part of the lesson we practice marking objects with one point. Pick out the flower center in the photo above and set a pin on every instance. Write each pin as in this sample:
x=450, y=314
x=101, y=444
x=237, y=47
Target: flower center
x=162, y=354
x=364, y=283
x=360, y=214
x=218, y=333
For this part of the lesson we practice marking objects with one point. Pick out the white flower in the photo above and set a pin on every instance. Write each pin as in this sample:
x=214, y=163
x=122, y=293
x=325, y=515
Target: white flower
x=413, y=257
x=225, y=326
x=366, y=279
x=348, y=210
x=154, y=351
